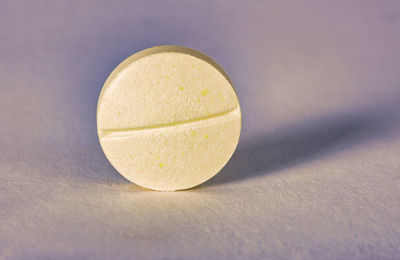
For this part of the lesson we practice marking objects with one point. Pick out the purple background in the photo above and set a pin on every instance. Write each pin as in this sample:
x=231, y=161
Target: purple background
x=317, y=171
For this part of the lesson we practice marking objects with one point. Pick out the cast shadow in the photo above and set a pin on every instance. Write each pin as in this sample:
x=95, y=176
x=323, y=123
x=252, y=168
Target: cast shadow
x=309, y=141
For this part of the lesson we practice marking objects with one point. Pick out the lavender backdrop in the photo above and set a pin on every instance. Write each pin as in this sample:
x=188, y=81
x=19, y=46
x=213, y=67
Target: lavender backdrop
x=317, y=171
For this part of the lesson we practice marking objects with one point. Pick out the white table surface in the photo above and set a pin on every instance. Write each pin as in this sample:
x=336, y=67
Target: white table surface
x=317, y=171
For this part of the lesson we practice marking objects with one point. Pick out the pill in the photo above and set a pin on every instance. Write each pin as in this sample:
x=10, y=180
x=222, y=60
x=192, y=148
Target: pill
x=168, y=118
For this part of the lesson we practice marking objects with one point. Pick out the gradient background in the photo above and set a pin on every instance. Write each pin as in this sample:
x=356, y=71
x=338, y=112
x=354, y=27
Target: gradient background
x=317, y=171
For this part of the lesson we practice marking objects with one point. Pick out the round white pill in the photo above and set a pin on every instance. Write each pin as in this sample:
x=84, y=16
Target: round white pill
x=168, y=118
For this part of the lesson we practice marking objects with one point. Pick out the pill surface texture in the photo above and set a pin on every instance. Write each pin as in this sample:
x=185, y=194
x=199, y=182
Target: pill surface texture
x=168, y=118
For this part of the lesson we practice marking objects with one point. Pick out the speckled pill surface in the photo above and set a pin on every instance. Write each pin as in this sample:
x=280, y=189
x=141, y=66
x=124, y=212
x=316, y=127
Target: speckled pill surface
x=168, y=118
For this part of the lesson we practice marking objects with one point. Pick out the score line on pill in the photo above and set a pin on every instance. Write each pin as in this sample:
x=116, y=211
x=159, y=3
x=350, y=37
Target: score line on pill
x=168, y=118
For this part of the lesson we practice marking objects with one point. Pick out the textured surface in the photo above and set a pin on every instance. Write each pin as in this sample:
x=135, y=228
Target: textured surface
x=316, y=173
x=168, y=119
x=162, y=88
